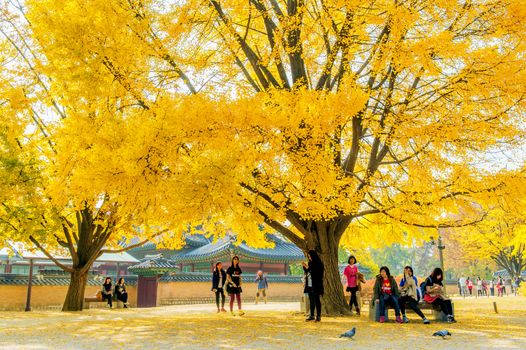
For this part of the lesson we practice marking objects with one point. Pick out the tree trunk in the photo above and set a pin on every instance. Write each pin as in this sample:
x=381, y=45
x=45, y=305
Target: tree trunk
x=333, y=301
x=75, y=297
x=323, y=239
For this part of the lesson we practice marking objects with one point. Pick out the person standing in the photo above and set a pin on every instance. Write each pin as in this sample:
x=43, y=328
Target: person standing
x=469, y=283
x=233, y=277
x=479, y=287
x=492, y=287
x=314, y=271
x=351, y=272
x=408, y=294
x=462, y=284
x=262, y=285
x=121, y=293
x=107, y=291
x=386, y=292
x=436, y=295
x=218, y=283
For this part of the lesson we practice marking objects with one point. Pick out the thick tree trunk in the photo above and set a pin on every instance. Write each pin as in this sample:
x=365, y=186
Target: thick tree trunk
x=75, y=297
x=325, y=241
x=333, y=301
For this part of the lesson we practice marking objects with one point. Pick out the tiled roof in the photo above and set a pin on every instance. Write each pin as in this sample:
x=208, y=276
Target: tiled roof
x=283, y=252
x=153, y=265
x=247, y=278
x=40, y=280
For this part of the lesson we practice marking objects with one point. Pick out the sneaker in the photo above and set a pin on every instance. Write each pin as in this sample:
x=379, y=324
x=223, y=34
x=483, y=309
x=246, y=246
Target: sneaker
x=318, y=319
x=218, y=311
x=125, y=306
x=426, y=321
x=358, y=312
x=399, y=319
x=451, y=319
x=310, y=318
x=232, y=313
x=382, y=319
x=406, y=320
x=223, y=309
x=241, y=313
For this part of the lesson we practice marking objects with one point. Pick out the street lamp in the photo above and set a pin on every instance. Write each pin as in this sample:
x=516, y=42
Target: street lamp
x=440, y=247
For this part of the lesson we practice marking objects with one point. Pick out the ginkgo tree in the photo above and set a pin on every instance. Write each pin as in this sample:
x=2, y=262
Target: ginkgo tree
x=75, y=181
x=314, y=116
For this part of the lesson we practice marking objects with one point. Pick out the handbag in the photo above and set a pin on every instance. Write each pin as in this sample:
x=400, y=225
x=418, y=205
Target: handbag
x=99, y=295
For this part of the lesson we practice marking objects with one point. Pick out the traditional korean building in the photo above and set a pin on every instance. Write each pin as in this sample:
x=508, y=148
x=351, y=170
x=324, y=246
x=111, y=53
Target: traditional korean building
x=200, y=255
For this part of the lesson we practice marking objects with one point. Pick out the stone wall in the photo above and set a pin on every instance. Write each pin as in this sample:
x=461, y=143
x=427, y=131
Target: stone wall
x=13, y=297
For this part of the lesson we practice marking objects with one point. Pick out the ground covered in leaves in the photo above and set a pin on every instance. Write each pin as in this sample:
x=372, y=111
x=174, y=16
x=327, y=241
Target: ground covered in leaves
x=271, y=326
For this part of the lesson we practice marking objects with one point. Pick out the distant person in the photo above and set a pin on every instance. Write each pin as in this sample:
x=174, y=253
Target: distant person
x=314, y=271
x=469, y=284
x=492, y=287
x=351, y=274
x=218, y=284
x=233, y=277
x=262, y=285
x=107, y=291
x=462, y=285
x=409, y=294
x=121, y=293
x=436, y=295
x=500, y=287
x=485, y=288
x=386, y=292
x=479, y=286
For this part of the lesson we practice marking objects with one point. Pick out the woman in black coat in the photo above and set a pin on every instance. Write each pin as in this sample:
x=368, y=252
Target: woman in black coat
x=107, y=291
x=121, y=293
x=314, y=283
x=218, y=283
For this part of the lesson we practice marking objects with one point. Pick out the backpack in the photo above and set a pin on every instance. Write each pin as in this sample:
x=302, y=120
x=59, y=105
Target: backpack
x=423, y=288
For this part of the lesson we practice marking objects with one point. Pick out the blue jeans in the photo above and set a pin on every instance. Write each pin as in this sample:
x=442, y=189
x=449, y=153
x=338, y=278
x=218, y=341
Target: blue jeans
x=389, y=299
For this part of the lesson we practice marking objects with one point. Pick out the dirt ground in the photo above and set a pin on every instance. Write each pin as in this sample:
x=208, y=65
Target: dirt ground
x=271, y=326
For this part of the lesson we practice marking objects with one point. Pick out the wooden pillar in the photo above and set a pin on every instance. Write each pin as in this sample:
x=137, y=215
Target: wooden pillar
x=286, y=268
x=192, y=267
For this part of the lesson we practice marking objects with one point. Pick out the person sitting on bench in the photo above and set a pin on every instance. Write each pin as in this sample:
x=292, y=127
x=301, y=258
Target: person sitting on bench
x=107, y=291
x=120, y=292
x=386, y=292
x=436, y=295
x=408, y=292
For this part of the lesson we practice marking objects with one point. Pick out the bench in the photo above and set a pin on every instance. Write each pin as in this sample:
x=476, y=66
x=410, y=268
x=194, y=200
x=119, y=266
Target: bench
x=438, y=315
x=88, y=300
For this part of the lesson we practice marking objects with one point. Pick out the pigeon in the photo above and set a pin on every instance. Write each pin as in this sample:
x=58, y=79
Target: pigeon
x=442, y=334
x=349, y=334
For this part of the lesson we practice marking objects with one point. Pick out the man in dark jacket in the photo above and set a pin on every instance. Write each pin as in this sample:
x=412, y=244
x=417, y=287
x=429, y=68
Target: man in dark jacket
x=314, y=283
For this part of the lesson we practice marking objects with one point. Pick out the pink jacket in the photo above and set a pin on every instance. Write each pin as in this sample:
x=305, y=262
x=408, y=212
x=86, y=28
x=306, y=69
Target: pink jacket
x=350, y=272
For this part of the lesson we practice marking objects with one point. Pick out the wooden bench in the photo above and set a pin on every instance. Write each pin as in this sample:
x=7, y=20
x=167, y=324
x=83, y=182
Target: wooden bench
x=438, y=315
x=88, y=300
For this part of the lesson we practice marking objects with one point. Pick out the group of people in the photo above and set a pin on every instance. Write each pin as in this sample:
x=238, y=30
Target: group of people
x=482, y=287
x=108, y=292
x=387, y=292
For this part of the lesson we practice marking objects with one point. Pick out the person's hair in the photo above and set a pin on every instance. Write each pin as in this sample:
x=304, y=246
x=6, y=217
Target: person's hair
x=217, y=264
x=121, y=279
x=314, y=257
x=351, y=257
x=437, y=272
x=106, y=279
x=410, y=269
x=386, y=269
x=235, y=257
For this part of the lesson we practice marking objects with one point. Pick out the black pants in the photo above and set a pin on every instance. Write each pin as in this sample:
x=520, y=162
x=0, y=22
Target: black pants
x=108, y=297
x=354, y=299
x=445, y=305
x=122, y=297
x=413, y=304
x=314, y=300
x=219, y=292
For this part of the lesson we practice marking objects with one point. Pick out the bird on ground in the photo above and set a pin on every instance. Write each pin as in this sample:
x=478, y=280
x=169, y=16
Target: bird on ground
x=442, y=334
x=349, y=334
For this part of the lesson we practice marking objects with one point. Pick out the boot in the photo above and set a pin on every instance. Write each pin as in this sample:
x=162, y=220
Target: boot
x=358, y=312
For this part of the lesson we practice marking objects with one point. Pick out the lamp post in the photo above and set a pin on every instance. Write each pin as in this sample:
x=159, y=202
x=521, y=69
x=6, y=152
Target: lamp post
x=440, y=247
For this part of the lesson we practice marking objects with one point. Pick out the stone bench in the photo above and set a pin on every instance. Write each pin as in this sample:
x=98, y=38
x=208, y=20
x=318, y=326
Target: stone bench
x=438, y=315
